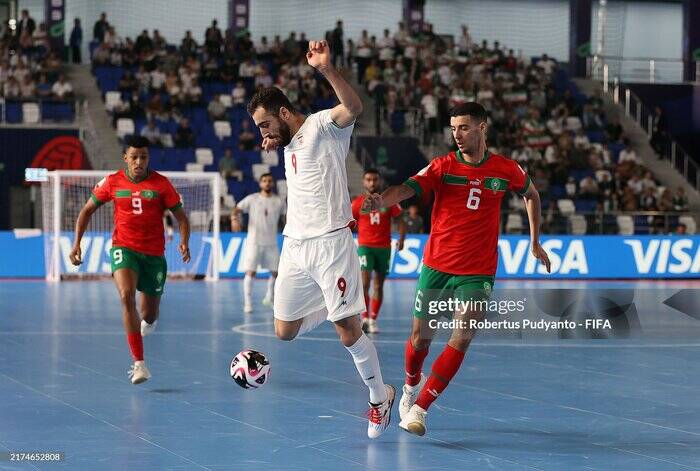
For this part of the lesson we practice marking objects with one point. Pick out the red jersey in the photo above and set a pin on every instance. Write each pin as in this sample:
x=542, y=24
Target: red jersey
x=138, y=209
x=464, y=234
x=374, y=228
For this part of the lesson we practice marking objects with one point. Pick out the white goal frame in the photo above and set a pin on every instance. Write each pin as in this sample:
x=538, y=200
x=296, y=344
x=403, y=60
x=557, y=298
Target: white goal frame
x=52, y=234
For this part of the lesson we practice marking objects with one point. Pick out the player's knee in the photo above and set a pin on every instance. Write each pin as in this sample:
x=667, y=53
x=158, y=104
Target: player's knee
x=284, y=332
x=127, y=296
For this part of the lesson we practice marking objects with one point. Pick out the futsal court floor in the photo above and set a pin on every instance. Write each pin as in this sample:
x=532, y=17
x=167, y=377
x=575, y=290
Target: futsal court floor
x=534, y=402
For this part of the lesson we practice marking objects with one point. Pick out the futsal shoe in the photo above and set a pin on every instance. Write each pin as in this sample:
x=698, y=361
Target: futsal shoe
x=247, y=308
x=414, y=421
x=372, y=328
x=267, y=302
x=379, y=415
x=147, y=328
x=365, y=325
x=409, y=396
x=138, y=373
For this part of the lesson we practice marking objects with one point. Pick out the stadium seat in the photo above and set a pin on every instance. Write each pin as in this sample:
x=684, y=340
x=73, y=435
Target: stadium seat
x=204, y=156
x=259, y=170
x=578, y=224
x=573, y=123
x=566, y=207
x=225, y=100
x=689, y=221
x=112, y=99
x=167, y=140
x=625, y=225
x=31, y=113
x=229, y=201
x=270, y=158
x=222, y=129
x=125, y=127
x=193, y=167
x=514, y=224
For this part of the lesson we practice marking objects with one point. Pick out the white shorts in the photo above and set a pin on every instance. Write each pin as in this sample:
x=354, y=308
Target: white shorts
x=262, y=256
x=322, y=273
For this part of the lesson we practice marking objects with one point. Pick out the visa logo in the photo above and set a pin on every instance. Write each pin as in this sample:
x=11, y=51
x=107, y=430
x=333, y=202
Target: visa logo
x=565, y=259
x=671, y=256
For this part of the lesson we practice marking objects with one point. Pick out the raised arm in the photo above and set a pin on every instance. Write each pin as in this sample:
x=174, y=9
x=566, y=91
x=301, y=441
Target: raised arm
x=350, y=107
x=80, y=226
x=534, y=215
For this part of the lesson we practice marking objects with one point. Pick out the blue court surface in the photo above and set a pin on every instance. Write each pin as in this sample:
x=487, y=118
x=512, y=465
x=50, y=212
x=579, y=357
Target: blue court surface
x=521, y=401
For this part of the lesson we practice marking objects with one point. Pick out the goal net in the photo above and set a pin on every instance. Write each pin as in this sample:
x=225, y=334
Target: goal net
x=66, y=192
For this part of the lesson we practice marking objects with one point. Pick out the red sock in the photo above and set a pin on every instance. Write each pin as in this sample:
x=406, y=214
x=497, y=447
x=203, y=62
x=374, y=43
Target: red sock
x=135, y=345
x=375, y=305
x=444, y=369
x=414, y=363
x=365, y=315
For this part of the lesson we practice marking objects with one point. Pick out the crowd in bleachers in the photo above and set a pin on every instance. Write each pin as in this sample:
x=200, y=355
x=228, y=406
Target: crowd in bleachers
x=30, y=71
x=578, y=156
x=189, y=99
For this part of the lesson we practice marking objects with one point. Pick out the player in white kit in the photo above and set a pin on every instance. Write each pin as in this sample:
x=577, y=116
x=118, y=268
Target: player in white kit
x=319, y=272
x=260, y=250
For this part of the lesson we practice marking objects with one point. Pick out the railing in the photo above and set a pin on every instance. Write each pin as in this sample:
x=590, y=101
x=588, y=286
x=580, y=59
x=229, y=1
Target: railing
x=413, y=124
x=587, y=222
x=641, y=69
x=643, y=115
x=88, y=134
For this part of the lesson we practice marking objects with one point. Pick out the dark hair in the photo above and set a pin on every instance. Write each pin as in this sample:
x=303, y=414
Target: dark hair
x=271, y=99
x=136, y=141
x=266, y=175
x=470, y=108
x=371, y=170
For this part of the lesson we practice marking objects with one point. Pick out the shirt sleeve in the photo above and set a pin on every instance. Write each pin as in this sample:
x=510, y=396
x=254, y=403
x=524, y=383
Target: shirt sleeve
x=171, y=198
x=331, y=128
x=427, y=179
x=102, y=193
x=396, y=210
x=244, y=204
x=519, y=180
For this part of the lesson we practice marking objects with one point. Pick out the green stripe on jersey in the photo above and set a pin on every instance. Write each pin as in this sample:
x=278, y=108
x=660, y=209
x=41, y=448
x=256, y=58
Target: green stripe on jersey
x=454, y=179
x=123, y=194
x=496, y=184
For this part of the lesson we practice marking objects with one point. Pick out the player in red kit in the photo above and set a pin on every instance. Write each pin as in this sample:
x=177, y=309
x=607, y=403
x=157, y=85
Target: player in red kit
x=461, y=254
x=374, y=239
x=140, y=196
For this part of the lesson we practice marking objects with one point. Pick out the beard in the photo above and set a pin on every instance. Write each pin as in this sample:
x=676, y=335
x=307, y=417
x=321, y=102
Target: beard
x=285, y=134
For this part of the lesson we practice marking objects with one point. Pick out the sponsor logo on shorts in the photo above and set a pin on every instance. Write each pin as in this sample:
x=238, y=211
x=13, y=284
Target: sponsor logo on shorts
x=159, y=276
x=487, y=287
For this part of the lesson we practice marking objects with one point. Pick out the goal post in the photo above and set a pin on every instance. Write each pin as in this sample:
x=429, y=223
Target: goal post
x=65, y=192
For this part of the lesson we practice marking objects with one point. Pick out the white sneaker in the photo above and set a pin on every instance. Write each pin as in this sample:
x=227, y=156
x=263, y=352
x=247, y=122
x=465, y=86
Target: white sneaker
x=247, y=308
x=267, y=302
x=380, y=415
x=373, y=328
x=409, y=396
x=414, y=421
x=147, y=328
x=138, y=373
x=365, y=325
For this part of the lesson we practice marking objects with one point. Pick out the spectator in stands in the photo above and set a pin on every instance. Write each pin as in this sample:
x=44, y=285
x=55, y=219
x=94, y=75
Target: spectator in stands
x=429, y=105
x=151, y=132
x=614, y=130
x=647, y=200
x=43, y=87
x=648, y=181
x=635, y=183
x=216, y=109
x=157, y=80
x=659, y=134
x=101, y=55
x=184, y=136
x=666, y=201
x=229, y=71
x=159, y=42
x=263, y=78
x=25, y=24
x=681, y=229
x=588, y=187
x=76, y=42
x=591, y=119
x=228, y=167
x=213, y=39
x=11, y=89
x=238, y=95
x=629, y=200
x=570, y=187
x=62, y=89
x=246, y=138
x=100, y=27
x=627, y=154
x=680, y=200
x=155, y=109
x=127, y=84
x=27, y=87
x=144, y=43
x=111, y=39
x=546, y=64
x=193, y=93
x=363, y=55
x=143, y=77
x=337, y=45
x=413, y=220
x=188, y=46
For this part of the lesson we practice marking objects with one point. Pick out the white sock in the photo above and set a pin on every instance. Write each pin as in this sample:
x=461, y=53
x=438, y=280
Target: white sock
x=312, y=321
x=270, y=288
x=247, y=289
x=364, y=354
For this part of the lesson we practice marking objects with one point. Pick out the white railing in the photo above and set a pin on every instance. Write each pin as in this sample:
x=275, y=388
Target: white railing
x=640, y=69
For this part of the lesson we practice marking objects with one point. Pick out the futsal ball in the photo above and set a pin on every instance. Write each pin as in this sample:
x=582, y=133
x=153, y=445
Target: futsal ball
x=250, y=369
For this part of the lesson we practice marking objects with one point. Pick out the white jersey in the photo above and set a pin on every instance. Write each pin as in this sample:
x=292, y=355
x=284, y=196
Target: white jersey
x=263, y=217
x=317, y=183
